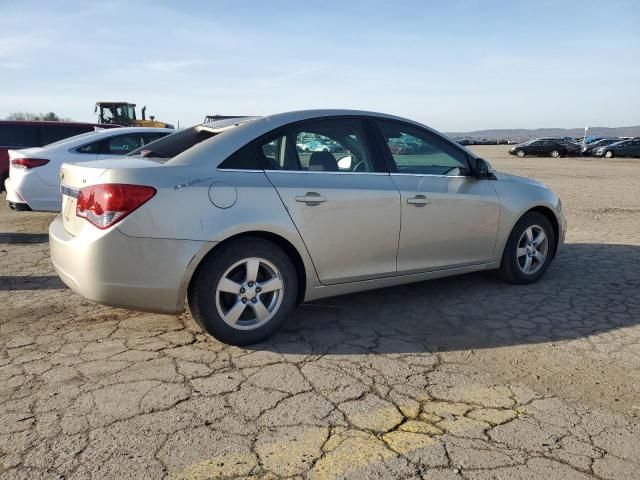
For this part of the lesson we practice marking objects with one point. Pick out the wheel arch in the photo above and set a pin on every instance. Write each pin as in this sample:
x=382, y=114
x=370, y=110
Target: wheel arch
x=553, y=220
x=280, y=241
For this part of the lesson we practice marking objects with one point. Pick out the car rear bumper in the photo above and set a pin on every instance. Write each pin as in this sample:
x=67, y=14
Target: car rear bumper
x=114, y=269
x=12, y=195
x=32, y=192
x=15, y=201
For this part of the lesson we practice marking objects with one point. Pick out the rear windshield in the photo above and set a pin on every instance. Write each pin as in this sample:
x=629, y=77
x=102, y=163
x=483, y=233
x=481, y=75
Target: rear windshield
x=174, y=144
x=69, y=139
x=54, y=133
x=168, y=147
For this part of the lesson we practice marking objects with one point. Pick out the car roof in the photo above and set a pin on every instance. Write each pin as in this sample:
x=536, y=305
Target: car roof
x=240, y=131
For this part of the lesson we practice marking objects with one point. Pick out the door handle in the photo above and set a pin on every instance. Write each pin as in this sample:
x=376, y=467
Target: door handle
x=419, y=200
x=311, y=198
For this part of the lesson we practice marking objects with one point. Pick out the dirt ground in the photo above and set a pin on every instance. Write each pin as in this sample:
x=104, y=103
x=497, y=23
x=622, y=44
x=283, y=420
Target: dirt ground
x=461, y=378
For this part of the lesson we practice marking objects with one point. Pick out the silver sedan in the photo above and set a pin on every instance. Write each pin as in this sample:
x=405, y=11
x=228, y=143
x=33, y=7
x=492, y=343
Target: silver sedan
x=235, y=218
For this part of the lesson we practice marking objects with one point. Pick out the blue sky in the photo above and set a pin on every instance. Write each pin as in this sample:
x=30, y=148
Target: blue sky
x=455, y=65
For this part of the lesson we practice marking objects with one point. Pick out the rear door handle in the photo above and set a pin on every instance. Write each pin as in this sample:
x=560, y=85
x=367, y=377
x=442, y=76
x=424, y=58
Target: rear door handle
x=418, y=200
x=311, y=198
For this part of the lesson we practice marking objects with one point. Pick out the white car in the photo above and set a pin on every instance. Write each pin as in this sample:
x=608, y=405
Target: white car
x=34, y=173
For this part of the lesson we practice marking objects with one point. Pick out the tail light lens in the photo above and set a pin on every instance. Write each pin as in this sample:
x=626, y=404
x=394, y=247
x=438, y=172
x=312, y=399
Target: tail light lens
x=28, y=162
x=107, y=204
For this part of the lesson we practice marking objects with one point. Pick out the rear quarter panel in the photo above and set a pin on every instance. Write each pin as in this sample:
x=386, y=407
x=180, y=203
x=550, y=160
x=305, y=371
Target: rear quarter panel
x=183, y=208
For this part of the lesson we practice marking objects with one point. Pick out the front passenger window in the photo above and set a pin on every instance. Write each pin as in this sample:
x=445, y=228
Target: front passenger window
x=416, y=151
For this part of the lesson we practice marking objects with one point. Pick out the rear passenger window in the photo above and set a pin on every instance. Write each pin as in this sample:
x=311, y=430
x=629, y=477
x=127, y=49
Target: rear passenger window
x=328, y=145
x=19, y=136
x=151, y=137
x=123, y=144
x=95, y=147
x=243, y=159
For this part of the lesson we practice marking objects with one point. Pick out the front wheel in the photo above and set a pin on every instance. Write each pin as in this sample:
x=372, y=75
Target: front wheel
x=520, y=153
x=244, y=292
x=609, y=154
x=529, y=249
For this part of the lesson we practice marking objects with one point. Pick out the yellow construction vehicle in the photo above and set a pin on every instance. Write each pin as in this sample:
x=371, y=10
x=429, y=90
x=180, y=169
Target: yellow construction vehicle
x=124, y=113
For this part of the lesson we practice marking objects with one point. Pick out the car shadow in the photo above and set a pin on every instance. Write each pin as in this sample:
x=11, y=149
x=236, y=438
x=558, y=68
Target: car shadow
x=23, y=238
x=31, y=282
x=589, y=289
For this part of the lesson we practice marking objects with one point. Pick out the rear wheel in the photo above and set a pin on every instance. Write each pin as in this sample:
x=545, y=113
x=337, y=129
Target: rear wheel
x=529, y=249
x=555, y=153
x=520, y=153
x=243, y=293
x=609, y=154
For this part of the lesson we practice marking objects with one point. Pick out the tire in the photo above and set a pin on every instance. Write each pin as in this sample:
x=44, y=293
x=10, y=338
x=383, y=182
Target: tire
x=555, y=154
x=513, y=266
x=257, y=314
x=608, y=154
x=520, y=153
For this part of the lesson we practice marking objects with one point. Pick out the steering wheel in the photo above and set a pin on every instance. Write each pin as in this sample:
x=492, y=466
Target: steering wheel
x=358, y=165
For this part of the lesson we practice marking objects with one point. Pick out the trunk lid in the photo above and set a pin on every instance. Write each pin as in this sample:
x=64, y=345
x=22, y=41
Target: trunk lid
x=26, y=152
x=75, y=176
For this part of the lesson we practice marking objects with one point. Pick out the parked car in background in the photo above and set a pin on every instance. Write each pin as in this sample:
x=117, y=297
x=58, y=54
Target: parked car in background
x=240, y=224
x=546, y=147
x=590, y=147
x=624, y=148
x=34, y=181
x=24, y=134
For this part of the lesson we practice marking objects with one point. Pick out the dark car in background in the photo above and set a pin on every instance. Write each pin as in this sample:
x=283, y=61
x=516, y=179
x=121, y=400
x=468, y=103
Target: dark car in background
x=17, y=134
x=624, y=148
x=589, y=149
x=546, y=147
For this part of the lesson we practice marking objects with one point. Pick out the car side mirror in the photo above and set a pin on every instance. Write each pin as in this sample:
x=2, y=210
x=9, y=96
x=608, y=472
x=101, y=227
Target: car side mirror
x=484, y=169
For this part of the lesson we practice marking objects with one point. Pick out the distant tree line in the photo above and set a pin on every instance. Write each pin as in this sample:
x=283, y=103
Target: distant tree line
x=27, y=116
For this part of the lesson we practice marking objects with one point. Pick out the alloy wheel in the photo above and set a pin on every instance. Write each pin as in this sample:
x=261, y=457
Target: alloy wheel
x=555, y=154
x=532, y=251
x=249, y=293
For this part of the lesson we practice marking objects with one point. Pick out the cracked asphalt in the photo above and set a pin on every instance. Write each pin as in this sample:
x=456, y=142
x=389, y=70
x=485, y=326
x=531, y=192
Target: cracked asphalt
x=460, y=378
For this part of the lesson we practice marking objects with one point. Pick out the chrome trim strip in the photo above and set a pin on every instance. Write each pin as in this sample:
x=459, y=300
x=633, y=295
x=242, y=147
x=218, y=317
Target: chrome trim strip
x=69, y=191
x=325, y=172
x=344, y=173
x=429, y=175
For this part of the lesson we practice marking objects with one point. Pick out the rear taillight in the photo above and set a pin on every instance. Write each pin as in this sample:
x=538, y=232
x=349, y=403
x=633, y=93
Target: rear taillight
x=105, y=205
x=28, y=162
